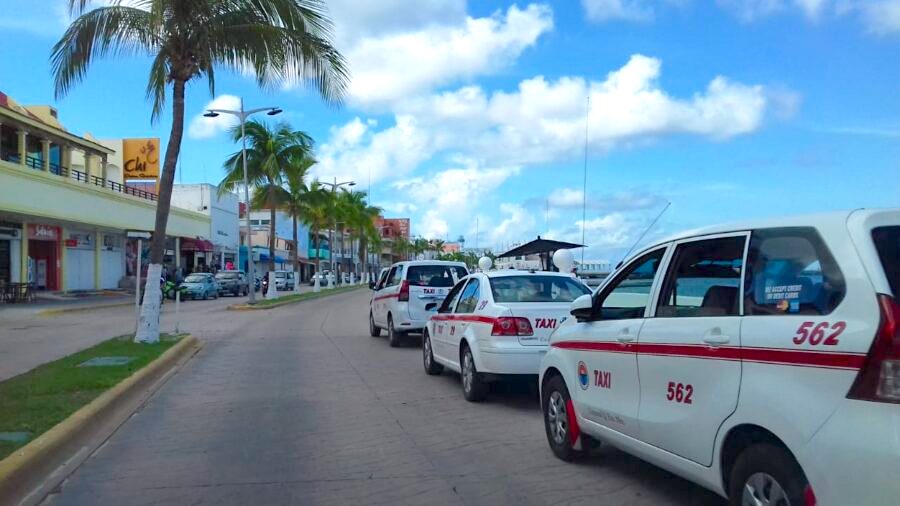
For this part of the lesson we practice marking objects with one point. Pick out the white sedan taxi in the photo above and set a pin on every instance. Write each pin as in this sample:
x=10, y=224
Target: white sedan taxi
x=497, y=323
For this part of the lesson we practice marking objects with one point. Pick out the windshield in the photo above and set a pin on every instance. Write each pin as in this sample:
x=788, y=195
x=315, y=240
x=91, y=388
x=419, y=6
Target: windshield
x=441, y=276
x=195, y=279
x=227, y=275
x=536, y=289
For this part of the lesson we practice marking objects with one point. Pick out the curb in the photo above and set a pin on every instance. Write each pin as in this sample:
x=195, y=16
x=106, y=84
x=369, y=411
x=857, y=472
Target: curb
x=248, y=307
x=26, y=470
x=52, y=312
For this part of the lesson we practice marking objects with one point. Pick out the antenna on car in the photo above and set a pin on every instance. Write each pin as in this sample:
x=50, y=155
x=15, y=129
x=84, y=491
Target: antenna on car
x=658, y=216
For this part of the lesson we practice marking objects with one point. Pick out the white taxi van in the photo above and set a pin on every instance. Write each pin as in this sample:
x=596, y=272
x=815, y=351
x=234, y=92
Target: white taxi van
x=761, y=361
x=402, y=292
x=497, y=323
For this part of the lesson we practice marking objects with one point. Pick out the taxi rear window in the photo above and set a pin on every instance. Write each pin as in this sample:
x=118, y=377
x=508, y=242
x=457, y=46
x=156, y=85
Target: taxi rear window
x=536, y=289
x=887, y=242
x=441, y=276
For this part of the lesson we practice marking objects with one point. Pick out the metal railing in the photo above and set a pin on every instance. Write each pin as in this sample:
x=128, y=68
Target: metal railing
x=59, y=170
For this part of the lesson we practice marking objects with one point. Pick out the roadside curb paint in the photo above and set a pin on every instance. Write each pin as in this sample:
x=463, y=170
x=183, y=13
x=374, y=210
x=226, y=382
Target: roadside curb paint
x=285, y=301
x=52, y=312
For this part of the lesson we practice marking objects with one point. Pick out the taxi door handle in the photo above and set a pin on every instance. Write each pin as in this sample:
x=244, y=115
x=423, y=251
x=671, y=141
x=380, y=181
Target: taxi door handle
x=625, y=337
x=716, y=339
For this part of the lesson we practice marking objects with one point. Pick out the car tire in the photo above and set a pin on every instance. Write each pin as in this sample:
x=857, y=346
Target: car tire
x=765, y=472
x=373, y=330
x=473, y=384
x=432, y=368
x=555, y=405
x=394, y=335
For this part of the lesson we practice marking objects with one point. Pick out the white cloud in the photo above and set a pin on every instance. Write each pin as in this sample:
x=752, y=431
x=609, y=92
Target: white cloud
x=204, y=128
x=628, y=10
x=881, y=17
x=571, y=198
x=393, y=66
x=398, y=207
x=355, y=151
x=451, y=196
x=354, y=19
x=517, y=224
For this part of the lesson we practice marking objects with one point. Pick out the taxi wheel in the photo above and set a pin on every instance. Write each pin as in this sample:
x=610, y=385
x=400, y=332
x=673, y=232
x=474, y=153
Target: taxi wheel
x=373, y=330
x=474, y=386
x=766, y=474
x=393, y=334
x=431, y=367
x=555, y=402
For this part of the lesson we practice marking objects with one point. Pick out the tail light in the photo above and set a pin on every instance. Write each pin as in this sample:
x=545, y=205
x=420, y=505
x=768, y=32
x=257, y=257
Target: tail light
x=879, y=378
x=511, y=326
x=404, y=292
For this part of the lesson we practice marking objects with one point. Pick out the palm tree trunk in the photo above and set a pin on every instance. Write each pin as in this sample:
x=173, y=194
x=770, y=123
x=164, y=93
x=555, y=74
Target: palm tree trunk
x=296, y=253
x=148, y=323
x=271, y=227
x=316, y=248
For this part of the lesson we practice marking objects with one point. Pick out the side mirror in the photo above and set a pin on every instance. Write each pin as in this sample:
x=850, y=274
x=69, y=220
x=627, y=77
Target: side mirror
x=430, y=306
x=582, y=308
x=371, y=285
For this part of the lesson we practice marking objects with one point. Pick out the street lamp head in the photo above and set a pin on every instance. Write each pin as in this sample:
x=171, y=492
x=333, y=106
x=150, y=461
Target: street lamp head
x=351, y=183
x=274, y=112
x=210, y=114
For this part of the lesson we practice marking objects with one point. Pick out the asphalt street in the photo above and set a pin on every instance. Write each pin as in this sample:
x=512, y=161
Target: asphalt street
x=298, y=405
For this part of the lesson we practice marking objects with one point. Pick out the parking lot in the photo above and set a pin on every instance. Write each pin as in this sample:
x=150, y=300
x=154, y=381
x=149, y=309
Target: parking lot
x=299, y=405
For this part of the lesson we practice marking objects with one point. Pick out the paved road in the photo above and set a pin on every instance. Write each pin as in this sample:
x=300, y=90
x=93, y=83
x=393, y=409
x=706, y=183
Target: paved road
x=28, y=339
x=299, y=406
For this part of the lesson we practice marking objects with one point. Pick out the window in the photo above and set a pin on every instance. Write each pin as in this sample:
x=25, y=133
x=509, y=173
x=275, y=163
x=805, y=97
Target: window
x=395, y=276
x=452, y=297
x=887, y=242
x=469, y=298
x=536, y=289
x=435, y=275
x=627, y=295
x=381, y=280
x=791, y=271
x=704, y=279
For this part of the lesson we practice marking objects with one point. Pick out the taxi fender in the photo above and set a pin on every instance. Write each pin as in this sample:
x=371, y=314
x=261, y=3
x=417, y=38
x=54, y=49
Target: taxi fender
x=474, y=345
x=553, y=360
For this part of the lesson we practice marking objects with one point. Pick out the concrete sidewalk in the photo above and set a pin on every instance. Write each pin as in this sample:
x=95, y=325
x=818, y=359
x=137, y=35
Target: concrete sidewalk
x=52, y=302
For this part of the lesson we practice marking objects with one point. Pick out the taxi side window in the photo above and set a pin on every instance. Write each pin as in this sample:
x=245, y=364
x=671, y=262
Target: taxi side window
x=628, y=295
x=393, y=277
x=704, y=279
x=791, y=271
x=452, y=297
x=381, y=281
x=469, y=298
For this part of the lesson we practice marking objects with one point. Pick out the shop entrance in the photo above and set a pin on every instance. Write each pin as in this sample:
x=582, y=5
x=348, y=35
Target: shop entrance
x=5, y=261
x=43, y=255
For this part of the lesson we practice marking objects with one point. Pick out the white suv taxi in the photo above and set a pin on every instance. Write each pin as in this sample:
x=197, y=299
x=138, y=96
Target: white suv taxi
x=761, y=361
x=497, y=323
x=402, y=293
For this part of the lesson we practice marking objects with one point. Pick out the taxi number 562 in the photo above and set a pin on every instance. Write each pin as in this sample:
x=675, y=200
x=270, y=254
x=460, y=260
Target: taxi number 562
x=824, y=333
x=679, y=392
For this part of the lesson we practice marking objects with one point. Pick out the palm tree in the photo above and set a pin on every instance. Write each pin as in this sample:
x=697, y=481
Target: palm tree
x=317, y=215
x=437, y=246
x=360, y=219
x=295, y=200
x=279, y=40
x=402, y=247
x=420, y=245
x=269, y=152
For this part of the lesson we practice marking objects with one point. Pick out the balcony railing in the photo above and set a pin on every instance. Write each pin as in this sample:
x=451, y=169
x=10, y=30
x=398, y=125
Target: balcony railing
x=59, y=170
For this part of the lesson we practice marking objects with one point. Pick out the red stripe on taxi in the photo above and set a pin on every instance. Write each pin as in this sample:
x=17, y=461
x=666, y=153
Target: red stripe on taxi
x=779, y=356
x=464, y=318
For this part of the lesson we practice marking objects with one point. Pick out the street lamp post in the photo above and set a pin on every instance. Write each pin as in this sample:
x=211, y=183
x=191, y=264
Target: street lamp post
x=243, y=115
x=334, y=186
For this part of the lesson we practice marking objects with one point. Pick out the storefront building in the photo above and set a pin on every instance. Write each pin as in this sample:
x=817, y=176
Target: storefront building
x=61, y=228
x=219, y=246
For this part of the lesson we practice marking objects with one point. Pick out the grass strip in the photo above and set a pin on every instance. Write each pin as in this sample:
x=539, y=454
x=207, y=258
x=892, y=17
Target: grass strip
x=37, y=400
x=297, y=297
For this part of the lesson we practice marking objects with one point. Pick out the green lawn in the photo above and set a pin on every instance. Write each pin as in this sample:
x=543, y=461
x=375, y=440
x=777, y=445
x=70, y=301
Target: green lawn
x=39, y=399
x=263, y=303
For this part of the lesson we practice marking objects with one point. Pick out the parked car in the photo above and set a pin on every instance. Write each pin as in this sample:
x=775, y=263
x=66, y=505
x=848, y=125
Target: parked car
x=200, y=285
x=232, y=282
x=761, y=361
x=322, y=276
x=496, y=324
x=398, y=302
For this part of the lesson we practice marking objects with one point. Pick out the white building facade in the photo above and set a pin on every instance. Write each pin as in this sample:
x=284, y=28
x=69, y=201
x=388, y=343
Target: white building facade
x=223, y=242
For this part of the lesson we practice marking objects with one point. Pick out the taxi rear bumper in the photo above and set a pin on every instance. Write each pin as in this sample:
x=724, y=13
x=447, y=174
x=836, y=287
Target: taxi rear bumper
x=509, y=358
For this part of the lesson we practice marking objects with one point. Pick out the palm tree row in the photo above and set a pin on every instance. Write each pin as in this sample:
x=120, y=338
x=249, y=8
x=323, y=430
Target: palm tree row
x=278, y=164
x=279, y=41
x=406, y=248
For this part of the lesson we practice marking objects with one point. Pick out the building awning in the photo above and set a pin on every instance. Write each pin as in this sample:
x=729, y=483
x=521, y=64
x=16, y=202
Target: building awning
x=544, y=248
x=202, y=245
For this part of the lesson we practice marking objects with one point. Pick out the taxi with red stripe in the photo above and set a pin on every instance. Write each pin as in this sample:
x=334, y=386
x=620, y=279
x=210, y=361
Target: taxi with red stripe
x=761, y=360
x=495, y=324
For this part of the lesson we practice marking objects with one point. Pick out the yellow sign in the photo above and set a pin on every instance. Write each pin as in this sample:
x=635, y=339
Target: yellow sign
x=140, y=158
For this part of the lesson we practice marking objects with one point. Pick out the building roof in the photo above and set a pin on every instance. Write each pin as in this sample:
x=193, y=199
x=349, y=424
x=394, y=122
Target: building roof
x=10, y=108
x=538, y=246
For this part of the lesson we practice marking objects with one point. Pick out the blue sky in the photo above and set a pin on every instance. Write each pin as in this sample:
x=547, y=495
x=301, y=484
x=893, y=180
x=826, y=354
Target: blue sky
x=470, y=115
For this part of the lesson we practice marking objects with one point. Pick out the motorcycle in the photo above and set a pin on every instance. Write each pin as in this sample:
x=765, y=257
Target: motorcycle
x=169, y=289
